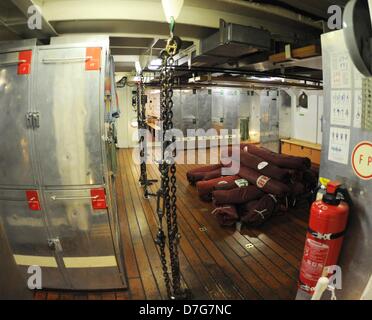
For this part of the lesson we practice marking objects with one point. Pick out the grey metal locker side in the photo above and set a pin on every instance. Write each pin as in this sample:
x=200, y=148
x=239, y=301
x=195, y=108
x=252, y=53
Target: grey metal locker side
x=204, y=118
x=269, y=123
x=75, y=131
x=189, y=105
x=69, y=139
x=355, y=259
x=231, y=109
x=73, y=230
x=16, y=156
x=27, y=233
x=22, y=211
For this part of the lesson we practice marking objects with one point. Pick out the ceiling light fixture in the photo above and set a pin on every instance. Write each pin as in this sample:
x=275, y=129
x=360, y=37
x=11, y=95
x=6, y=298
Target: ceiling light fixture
x=172, y=9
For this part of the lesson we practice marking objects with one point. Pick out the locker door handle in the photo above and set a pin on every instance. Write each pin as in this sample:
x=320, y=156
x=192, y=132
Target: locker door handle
x=12, y=200
x=66, y=60
x=11, y=63
x=55, y=198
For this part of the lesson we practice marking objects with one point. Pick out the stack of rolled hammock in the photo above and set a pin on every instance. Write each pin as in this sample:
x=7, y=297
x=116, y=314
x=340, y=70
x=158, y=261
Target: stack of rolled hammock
x=267, y=183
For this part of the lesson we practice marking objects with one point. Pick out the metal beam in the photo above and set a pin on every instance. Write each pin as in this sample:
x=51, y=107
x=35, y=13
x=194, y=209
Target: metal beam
x=47, y=29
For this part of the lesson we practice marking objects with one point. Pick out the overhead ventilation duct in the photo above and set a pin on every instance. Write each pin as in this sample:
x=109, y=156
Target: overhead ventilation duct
x=231, y=42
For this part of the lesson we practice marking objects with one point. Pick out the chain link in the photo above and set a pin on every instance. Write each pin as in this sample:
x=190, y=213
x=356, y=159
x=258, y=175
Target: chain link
x=142, y=126
x=167, y=194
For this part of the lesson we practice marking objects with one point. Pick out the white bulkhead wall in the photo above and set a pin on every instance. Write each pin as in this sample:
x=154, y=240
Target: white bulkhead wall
x=306, y=123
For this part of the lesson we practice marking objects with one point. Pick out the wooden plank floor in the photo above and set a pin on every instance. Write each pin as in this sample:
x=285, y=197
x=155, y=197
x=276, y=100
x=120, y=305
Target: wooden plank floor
x=219, y=263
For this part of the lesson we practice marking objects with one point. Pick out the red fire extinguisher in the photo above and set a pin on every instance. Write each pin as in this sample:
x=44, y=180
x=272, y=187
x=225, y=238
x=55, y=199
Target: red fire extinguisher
x=328, y=219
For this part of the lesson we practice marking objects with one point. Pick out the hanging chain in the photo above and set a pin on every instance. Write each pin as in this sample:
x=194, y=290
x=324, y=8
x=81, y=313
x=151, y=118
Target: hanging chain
x=142, y=126
x=167, y=194
x=164, y=185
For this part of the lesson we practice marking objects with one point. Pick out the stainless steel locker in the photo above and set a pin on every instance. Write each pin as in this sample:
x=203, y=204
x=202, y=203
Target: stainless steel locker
x=231, y=109
x=177, y=110
x=62, y=214
x=84, y=238
x=68, y=100
x=218, y=108
x=269, y=124
x=16, y=160
x=11, y=281
x=189, y=105
x=28, y=234
x=204, y=112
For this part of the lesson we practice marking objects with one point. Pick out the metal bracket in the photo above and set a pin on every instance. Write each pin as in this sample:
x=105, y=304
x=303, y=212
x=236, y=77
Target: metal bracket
x=33, y=120
x=29, y=123
x=36, y=120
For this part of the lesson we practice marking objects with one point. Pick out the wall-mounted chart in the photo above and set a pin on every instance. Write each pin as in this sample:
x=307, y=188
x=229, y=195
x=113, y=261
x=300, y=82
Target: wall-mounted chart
x=341, y=71
x=341, y=102
x=358, y=105
x=339, y=143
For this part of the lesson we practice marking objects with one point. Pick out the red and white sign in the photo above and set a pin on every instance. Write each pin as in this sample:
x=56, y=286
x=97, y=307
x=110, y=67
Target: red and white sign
x=314, y=260
x=261, y=181
x=98, y=199
x=24, y=66
x=361, y=160
x=93, y=61
x=33, y=200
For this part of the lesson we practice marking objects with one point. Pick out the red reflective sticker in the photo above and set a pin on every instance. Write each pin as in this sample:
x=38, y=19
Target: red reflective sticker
x=98, y=199
x=33, y=200
x=93, y=56
x=24, y=66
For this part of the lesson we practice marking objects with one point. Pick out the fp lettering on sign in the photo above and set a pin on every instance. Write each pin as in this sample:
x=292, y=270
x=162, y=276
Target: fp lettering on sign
x=362, y=160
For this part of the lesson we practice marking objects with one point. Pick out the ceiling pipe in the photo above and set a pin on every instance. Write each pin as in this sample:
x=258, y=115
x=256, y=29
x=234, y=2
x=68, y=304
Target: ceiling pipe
x=253, y=85
x=239, y=72
x=278, y=11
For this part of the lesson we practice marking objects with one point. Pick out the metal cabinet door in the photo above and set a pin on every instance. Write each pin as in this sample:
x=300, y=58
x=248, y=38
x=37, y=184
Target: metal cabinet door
x=217, y=109
x=177, y=110
x=86, y=240
x=189, y=105
x=269, y=125
x=231, y=109
x=15, y=143
x=27, y=234
x=204, y=109
x=69, y=100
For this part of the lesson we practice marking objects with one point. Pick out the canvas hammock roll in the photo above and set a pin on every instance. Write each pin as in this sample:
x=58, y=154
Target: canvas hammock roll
x=265, y=168
x=239, y=183
x=237, y=195
x=205, y=188
x=297, y=189
x=310, y=180
x=256, y=213
x=227, y=215
x=212, y=175
x=198, y=174
x=280, y=160
x=264, y=183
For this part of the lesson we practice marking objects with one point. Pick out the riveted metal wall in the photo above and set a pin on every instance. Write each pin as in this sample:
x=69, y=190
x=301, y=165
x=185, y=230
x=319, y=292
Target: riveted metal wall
x=356, y=258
